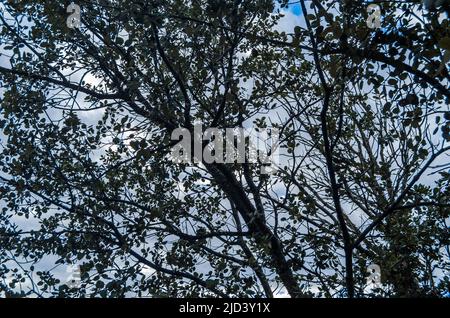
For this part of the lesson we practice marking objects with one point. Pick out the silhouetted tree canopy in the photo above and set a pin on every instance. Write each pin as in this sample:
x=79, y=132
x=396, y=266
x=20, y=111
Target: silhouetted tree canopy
x=86, y=116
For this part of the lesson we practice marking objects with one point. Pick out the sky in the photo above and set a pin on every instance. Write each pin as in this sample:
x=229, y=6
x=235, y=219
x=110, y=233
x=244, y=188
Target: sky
x=295, y=8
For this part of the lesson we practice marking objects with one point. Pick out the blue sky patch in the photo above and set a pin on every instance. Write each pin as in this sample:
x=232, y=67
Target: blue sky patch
x=295, y=8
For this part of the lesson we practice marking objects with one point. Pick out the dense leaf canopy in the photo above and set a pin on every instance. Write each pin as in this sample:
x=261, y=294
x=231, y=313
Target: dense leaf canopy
x=86, y=116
